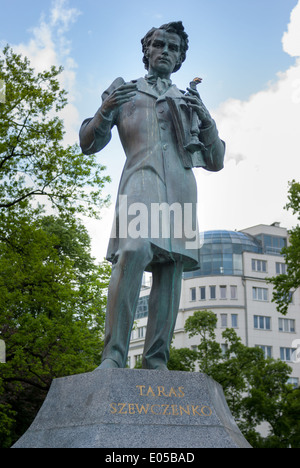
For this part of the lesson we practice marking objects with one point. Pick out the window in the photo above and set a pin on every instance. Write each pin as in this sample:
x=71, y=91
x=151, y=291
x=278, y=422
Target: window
x=212, y=290
x=193, y=294
x=288, y=297
x=224, y=348
x=223, y=292
x=142, y=307
x=141, y=332
x=262, y=323
x=260, y=294
x=286, y=325
x=273, y=244
x=293, y=381
x=286, y=354
x=234, y=320
x=138, y=359
x=280, y=268
x=223, y=320
x=267, y=350
x=259, y=265
x=233, y=292
x=202, y=293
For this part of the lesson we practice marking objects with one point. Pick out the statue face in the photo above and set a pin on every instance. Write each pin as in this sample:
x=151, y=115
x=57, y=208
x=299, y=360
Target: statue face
x=163, y=53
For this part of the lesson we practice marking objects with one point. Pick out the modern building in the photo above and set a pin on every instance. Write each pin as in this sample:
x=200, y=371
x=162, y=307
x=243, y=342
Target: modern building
x=232, y=282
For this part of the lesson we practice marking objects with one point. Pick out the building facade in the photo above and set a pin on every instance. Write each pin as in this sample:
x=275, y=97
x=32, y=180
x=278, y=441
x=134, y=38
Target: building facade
x=232, y=283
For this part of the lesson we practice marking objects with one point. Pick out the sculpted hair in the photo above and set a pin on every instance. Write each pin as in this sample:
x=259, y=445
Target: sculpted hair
x=174, y=27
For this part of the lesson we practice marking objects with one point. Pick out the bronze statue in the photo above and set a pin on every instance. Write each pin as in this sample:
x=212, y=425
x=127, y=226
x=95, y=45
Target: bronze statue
x=165, y=132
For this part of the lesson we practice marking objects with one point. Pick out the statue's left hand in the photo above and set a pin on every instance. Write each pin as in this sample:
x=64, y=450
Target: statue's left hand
x=195, y=102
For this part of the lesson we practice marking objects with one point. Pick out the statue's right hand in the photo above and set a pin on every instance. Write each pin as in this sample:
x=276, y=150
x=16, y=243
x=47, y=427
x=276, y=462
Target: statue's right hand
x=118, y=97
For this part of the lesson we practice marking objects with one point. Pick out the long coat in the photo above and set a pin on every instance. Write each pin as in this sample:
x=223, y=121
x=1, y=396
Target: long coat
x=155, y=174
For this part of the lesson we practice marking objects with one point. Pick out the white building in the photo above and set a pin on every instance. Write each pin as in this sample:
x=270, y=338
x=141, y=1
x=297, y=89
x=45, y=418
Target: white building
x=232, y=283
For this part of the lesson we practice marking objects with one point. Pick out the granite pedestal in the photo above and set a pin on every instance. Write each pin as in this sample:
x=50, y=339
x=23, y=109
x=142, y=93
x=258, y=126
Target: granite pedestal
x=122, y=408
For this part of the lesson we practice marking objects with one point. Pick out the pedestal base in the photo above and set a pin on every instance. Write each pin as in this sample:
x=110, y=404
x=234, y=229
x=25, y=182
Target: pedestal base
x=123, y=408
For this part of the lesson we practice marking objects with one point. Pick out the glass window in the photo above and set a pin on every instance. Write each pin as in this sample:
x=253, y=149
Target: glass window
x=286, y=325
x=267, y=240
x=262, y=323
x=259, y=265
x=280, y=268
x=286, y=354
x=142, y=307
x=223, y=292
x=233, y=292
x=228, y=264
x=255, y=321
x=202, y=293
x=260, y=294
x=294, y=381
x=234, y=320
x=193, y=294
x=141, y=332
x=266, y=349
x=212, y=292
x=237, y=264
x=216, y=264
x=223, y=320
x=138, y=359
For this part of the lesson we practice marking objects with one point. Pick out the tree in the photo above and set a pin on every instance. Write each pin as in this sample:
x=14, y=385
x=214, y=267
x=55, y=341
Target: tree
x=203, y=323
x=286, y=284
x=182, y=359
x=52, y=293
x=255, y=388
x=33, y=159
x=52, y=305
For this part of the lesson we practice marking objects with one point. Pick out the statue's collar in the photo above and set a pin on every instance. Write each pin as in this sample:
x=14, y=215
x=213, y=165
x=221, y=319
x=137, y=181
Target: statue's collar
x=144, y=86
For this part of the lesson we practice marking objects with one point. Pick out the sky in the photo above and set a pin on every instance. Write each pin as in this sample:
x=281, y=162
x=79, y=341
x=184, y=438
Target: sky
x=246, y=51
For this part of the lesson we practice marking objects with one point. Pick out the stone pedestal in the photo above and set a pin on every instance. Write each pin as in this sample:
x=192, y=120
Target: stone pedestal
x=122, y=408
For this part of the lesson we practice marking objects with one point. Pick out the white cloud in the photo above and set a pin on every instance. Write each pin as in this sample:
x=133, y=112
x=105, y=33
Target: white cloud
x=41, y=48
x=263, y=151
x=63, y=16
x=49, y=46
x=291, y=38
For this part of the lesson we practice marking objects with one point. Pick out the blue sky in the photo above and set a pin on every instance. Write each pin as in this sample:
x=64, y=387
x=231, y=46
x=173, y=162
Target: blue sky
x=234, y=44
x=246, y=51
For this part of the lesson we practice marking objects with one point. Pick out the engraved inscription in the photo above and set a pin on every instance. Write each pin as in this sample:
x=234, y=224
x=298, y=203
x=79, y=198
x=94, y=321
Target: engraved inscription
x=157, y=408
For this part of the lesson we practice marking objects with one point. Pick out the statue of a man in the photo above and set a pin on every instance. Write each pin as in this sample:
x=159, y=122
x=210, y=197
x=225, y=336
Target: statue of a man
x=155, y=121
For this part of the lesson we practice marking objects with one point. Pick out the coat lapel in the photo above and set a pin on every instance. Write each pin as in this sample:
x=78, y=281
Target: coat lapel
x=144, y=87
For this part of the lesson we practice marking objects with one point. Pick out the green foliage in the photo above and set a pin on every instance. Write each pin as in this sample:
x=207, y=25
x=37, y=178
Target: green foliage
x=203, y=323
x=255, y=388
x=52, y=305
x=182, y=359
x=33, y=159
x=52, y=293
x=286, y=284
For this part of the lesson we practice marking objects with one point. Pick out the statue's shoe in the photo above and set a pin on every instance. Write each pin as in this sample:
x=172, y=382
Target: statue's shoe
x=108, y=364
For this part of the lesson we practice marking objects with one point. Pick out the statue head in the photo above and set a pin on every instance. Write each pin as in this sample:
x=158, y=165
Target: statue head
x=174, y=27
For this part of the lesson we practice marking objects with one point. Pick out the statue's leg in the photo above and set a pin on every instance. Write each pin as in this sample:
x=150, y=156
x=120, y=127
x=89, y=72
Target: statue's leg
x=123, y=294
x=163, y=310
